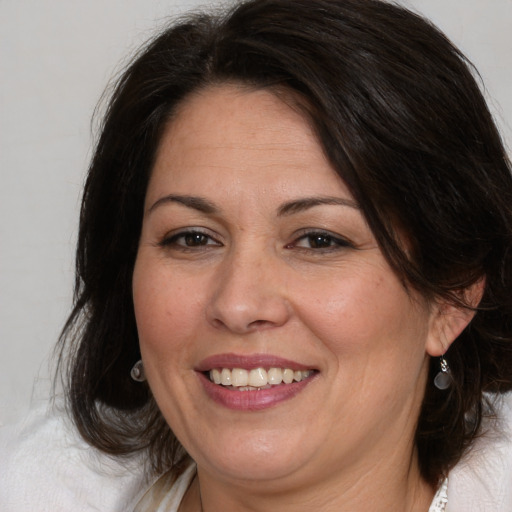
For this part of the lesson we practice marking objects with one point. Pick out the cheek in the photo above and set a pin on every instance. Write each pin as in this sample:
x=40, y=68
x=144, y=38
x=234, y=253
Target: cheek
x=365, y=322
x=165, y=312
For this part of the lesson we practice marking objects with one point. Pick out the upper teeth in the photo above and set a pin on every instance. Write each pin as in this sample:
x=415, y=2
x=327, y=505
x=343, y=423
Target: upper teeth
x=257, y=377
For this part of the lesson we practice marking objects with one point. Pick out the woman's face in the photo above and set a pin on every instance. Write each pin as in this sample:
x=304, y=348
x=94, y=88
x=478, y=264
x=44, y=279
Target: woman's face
x=256, y=265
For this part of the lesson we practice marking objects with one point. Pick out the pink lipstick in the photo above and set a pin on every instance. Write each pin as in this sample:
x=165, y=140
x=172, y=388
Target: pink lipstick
x=252, y=383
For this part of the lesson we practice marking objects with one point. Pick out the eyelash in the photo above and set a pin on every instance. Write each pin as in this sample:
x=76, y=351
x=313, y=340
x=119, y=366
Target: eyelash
x=172, y=240
x=190, y=237
x=334, y=242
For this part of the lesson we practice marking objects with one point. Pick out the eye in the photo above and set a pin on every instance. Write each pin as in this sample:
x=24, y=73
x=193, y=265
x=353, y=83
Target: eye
x=189, y=240
x=318, y=240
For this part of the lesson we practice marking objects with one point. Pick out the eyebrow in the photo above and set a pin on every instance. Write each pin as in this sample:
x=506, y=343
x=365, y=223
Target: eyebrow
x=194, y=202
x=289, y=208
x=300, y=205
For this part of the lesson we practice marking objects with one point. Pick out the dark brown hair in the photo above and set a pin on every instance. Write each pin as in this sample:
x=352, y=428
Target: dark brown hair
x=401, y=119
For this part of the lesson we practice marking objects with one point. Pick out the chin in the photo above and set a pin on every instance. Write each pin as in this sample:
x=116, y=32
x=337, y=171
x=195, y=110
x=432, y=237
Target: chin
x=258, y=457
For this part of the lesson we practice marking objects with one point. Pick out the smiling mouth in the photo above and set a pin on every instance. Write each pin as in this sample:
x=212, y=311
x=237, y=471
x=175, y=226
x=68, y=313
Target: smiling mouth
x=256, y=379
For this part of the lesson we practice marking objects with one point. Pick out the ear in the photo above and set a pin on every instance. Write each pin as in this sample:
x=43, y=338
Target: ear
x=448, y=320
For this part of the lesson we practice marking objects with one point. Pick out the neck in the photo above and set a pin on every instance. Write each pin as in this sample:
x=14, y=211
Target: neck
x=376, y=490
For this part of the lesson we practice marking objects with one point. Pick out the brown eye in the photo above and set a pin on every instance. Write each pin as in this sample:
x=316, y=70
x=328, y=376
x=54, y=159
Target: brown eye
x=189, y=240
x=320, y=240
x=195, y=239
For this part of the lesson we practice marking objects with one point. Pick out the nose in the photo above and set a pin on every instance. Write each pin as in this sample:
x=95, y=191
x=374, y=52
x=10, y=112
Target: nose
x=249, y=294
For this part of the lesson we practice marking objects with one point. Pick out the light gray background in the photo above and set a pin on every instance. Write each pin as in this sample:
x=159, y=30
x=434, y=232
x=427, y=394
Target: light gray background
x=56, y=57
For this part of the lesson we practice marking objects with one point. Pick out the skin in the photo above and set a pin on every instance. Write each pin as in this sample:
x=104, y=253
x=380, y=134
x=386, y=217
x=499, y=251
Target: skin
x=308, y=284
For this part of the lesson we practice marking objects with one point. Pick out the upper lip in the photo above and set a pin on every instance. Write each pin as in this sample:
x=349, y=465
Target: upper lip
x=248, y=362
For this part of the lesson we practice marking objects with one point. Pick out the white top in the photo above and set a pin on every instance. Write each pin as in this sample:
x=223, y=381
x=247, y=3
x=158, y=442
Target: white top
x=46, y=467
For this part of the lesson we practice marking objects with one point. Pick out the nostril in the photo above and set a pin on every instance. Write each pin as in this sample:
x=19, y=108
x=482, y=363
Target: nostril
x=251, y=326
x=257, y=323
x=217, y=323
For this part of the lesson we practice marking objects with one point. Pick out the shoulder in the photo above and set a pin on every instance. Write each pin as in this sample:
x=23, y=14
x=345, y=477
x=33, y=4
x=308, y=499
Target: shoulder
x=46, y=466
x=482, y=481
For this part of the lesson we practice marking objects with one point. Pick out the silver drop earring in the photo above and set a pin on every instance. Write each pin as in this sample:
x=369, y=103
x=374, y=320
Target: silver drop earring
x=137, y=372
x=443, y=379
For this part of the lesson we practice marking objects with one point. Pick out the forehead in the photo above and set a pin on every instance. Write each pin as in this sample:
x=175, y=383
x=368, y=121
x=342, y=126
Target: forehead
x=227, y=135
x=231, y=117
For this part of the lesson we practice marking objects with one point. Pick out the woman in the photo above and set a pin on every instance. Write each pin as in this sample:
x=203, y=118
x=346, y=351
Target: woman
x=294, y=263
